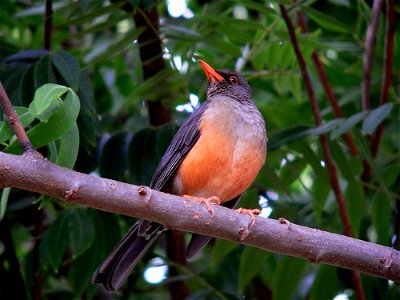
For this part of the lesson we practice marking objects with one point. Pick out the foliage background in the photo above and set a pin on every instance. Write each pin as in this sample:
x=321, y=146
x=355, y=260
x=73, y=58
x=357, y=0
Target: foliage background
x=95, y=51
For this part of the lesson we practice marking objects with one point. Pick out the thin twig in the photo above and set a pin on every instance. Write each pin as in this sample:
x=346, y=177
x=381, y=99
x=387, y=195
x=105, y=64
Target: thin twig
x=48, y=21
x=327, y=86
x=387, y=71
x=14, y=121
x=332, y=172
x=368, y=54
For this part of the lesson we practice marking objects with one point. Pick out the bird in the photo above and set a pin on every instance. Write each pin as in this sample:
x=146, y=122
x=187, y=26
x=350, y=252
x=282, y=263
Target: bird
x=214, y=157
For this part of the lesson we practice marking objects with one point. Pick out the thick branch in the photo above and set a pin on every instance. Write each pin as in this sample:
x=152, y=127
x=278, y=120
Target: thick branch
x=41, y=176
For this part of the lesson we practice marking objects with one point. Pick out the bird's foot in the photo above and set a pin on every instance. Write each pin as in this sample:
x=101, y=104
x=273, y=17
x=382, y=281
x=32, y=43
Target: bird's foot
x=214, y=200
x=251, y=212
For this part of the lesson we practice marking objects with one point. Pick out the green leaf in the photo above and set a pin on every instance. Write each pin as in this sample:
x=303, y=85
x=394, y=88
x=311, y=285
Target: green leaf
x=113, y=158
x=5, y=193
x=274, y=180
x=313, y=159
x=221, y=249
x=95, y=13
x=81, y=271
x=295, y=87
x=81, y=231
x=251, y=262
x=325, y=21
x=111, y=48
x=56, y=241
x=287, y=277
x=326, y=127
x=68, y=67
x=348, y=124
x=375, y=117
x=225, y=46
x=57, y=125
x=43, y=72
x=366, y=154
x=326, y=285
x=381, y=211
x=320, y=192
x=292, y=170
x=68, y=148
x=260, y=7
x=47, y=100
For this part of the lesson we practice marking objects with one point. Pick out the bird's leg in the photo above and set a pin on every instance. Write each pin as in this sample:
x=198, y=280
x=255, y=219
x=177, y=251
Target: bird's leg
x=214, y=200
x=251, y=212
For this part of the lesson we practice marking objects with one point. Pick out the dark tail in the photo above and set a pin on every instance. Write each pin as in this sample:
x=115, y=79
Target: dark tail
x=125, y=255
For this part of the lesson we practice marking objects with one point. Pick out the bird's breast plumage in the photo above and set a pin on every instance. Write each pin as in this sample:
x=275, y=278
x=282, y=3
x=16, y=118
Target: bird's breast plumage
x=229, y=153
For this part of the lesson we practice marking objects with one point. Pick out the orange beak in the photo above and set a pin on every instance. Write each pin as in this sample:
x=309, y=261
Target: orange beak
x=210, y=72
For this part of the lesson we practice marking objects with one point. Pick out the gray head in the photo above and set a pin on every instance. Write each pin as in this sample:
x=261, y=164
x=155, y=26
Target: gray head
x=226, y=82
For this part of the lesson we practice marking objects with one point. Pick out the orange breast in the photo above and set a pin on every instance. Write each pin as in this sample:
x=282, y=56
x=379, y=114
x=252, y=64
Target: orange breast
x=224, y=161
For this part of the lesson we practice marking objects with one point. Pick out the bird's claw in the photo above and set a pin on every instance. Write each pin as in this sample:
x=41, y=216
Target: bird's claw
x=214, y=200
x=251, y=212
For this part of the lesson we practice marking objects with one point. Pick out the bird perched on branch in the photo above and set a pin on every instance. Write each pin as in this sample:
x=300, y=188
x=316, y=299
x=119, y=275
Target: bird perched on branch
x=213, y=158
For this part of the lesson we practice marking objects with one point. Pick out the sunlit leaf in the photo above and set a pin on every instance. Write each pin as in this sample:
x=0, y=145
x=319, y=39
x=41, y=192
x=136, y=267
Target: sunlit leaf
x=57, y=125
x=47, y=99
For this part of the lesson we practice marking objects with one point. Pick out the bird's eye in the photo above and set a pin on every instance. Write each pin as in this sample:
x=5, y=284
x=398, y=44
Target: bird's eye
x=233, y=80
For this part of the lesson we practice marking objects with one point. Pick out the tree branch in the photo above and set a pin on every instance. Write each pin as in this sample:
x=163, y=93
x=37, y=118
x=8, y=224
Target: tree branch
x=41, y=176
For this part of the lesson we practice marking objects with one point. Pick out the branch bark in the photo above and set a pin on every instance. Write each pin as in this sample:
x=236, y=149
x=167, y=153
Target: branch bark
x=279, y=236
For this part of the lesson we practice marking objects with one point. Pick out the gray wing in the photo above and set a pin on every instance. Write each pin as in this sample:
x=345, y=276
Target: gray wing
x=183, y=141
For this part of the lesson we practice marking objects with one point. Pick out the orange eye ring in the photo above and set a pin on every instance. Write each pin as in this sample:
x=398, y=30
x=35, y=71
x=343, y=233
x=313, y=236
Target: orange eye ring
x=233, y=80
